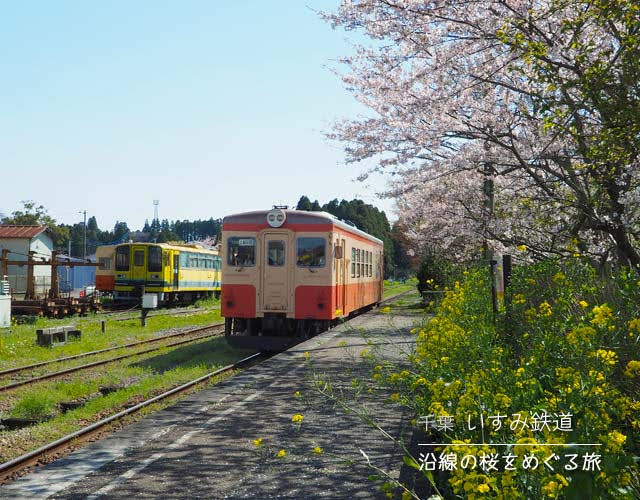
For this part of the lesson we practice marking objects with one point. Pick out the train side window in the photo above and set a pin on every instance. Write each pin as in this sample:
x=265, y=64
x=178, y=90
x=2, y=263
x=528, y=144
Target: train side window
x=241, y=251
x=353, y=262
x=366, y=263
x=105, y=263
x=184, y=260
x=154, y=259
x=123, y=254
x=275, y=253
x=365, y=270
x=370, y=261
x=311, y=252
x=358, y=263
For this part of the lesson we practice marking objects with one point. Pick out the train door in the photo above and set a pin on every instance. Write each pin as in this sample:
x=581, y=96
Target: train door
x=176, y=270
x=139, y=269
x=275, y=274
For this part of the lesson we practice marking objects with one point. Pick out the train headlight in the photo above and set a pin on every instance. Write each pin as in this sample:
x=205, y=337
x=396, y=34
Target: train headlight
x=276, y=217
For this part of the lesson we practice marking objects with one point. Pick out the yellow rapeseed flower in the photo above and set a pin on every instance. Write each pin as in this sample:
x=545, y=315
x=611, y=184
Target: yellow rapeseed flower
x=602, y=315
x=614, y=441
x=583, y=303
x=545, y=309
x=483, y=488
x=632, y=369
x=607, y=357
x=297, y=418
x=501, y=400
x=521, y=248
x=257, y=442
x=551, y=488
x=581, y=334
x=281, y=454
x=318, y=450
x=297, y=394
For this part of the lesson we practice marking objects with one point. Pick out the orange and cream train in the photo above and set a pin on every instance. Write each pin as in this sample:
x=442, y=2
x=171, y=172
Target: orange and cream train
x=288, y=274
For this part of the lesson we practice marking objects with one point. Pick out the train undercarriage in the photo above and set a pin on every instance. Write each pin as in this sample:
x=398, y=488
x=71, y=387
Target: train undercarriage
x=165, y=298
x=273, y=332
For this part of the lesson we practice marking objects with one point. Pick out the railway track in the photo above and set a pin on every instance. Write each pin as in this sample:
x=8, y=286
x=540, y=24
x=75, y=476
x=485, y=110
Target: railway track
x=13, y=467
x=20, y=369
x=168, y=313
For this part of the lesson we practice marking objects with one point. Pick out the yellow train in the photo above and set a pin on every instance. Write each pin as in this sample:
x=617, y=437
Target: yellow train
x=176, y=272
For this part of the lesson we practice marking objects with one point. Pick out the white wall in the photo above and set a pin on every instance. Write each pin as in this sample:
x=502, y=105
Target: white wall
x=43, y=247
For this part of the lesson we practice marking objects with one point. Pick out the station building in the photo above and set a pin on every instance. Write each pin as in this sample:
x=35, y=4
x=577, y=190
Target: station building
x=19, y=240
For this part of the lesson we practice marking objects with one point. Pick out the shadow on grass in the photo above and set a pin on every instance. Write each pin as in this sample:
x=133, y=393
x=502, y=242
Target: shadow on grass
x=212, y=353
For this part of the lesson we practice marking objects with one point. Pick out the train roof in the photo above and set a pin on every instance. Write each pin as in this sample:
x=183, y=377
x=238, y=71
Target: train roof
x=175, y=246
x=294, y=217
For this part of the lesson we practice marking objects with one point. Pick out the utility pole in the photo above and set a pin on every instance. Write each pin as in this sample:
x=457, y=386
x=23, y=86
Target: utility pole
x=68, y=255
x=84, y=238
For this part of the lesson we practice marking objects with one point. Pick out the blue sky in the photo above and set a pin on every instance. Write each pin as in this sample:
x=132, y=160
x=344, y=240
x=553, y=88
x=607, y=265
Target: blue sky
x=211, y=107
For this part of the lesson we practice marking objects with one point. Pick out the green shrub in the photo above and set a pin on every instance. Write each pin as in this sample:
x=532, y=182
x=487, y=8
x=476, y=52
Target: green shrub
x=569, y=346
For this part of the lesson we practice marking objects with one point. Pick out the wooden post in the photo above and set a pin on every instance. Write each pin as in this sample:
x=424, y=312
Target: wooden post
x=30, y=294
x=506, y=275
x=494, y=292
x=54, y=292
x=4, y=270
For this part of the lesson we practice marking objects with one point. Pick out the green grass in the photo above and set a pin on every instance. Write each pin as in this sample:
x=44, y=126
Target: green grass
x=18, y=344
x=396, y=287
x=36, y=404
x=144, y=377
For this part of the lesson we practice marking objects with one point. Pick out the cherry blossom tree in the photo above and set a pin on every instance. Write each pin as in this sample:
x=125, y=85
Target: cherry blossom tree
x=540, y=99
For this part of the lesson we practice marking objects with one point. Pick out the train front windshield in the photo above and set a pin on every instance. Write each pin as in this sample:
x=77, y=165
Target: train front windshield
x=241, y=251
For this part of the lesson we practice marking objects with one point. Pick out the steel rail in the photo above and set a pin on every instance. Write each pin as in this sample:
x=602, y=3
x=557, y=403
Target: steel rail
x=172, y=313
x=103, y=362
x=32, y=457
x=107, y=349
x=8, y=468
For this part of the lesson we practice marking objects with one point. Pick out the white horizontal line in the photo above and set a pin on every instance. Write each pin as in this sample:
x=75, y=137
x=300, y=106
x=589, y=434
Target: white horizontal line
x=509, y=444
